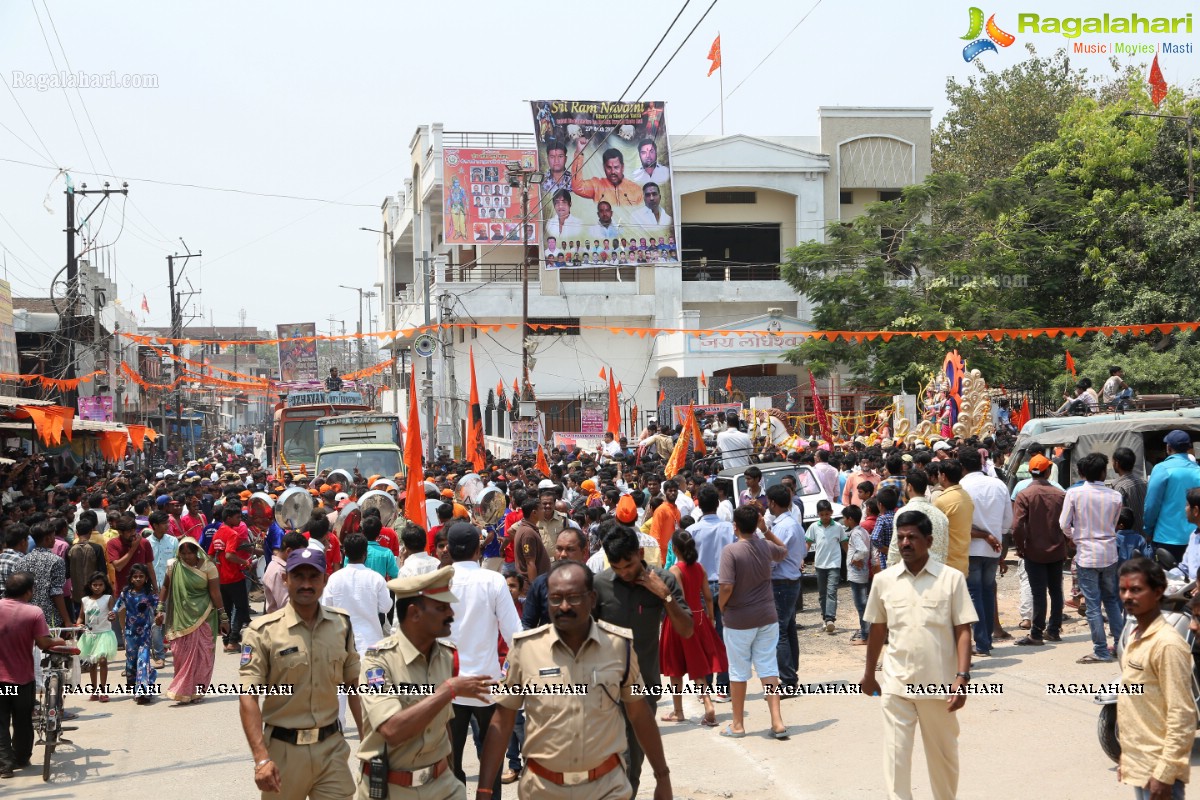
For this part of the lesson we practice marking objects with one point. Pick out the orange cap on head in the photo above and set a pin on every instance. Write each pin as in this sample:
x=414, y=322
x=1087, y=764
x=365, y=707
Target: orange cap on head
x=447, y=493
x=1039, y=464
x=626, y=510
x=460, y=511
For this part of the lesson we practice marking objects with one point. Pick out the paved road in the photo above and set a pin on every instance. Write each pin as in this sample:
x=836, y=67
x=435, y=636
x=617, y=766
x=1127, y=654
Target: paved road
x=1010, y=742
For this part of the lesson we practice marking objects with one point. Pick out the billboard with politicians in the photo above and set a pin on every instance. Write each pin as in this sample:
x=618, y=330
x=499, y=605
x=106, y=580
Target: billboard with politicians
x=606, y=197
x=297, y=351
x=480, y=205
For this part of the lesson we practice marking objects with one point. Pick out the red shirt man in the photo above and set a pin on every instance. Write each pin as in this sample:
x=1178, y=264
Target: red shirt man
x=234, y=541
x=126, y=549
x=388, y=539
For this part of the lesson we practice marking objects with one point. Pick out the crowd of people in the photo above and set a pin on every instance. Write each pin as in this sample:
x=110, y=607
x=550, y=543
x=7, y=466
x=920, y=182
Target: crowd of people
x=603, y=571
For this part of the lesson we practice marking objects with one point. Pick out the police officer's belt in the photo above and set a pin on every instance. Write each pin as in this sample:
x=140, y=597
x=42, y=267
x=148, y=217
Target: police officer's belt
x=305, y=735
x=416, y=777
x=575, y=778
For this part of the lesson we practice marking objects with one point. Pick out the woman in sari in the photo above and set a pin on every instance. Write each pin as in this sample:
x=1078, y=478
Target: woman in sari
x=190, y=610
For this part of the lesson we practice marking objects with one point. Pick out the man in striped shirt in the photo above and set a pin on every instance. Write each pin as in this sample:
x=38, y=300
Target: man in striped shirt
x=1089, y=519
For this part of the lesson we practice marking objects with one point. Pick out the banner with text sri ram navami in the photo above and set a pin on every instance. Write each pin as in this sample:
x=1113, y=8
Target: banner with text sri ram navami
x=606, y=197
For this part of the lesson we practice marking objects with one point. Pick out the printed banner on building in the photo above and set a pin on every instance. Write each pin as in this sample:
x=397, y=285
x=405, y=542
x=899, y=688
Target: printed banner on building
x=526, y=436
x=584, y=441
x=297, y=358
x=606, y=198
x=715, y=409
x=591, y=421
x=96, y=409
x=480, y=205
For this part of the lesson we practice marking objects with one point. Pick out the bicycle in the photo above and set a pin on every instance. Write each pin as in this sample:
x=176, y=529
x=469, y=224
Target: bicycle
x=56, y=667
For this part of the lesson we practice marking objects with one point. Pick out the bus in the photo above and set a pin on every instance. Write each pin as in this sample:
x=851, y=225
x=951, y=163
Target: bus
x=294, y=432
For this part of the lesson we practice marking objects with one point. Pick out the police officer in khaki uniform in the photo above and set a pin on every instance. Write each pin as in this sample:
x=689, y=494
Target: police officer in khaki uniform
x=573, y=742
x=408, y=683
x=301, y=752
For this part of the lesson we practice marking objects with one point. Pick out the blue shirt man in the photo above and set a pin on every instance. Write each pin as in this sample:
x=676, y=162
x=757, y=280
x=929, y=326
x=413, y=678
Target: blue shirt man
x=1166, y=495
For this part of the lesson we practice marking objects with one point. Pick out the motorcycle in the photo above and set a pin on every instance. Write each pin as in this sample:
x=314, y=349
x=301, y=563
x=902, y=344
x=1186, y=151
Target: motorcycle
x=1174, y=608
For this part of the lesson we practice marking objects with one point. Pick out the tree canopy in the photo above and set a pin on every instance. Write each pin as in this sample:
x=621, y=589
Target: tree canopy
x=1048, y=206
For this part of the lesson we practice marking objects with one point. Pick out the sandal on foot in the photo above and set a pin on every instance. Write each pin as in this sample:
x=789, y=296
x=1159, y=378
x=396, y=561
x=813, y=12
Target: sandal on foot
x=1029, y=641
x=782, y=735
x=670, y=717
x=709, y=722
x=730, y=733
x=1092, y=658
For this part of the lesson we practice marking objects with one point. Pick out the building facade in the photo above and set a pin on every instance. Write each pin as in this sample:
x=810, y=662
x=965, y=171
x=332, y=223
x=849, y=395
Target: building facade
x=742, y=201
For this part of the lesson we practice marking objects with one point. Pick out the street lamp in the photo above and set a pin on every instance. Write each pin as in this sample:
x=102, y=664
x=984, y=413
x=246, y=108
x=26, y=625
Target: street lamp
x=521, y=177
x=360, y=321
x=1191, y=190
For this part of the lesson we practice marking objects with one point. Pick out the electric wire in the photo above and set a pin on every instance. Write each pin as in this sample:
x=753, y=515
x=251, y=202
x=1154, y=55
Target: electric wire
x=677, y=49
x=662, y=39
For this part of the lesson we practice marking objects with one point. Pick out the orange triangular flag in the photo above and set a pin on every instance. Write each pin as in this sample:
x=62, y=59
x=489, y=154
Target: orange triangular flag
x=729, y=383
x=662, y=396
x=1070, y=364
x=714, y=55
x=620, y=388
x=542, y=465
x=703, y=380
x=1158, y=84
x=603, y=375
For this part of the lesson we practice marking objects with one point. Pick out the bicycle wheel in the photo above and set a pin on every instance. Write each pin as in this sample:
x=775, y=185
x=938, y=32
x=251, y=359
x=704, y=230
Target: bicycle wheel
x=52, y=705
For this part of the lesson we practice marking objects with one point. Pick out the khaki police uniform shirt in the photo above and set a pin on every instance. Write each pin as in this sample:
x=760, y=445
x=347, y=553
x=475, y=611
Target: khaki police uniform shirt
x=550, y=529
x=573, y=733
x=395, y=664
x=921, y=612
x=279, y=648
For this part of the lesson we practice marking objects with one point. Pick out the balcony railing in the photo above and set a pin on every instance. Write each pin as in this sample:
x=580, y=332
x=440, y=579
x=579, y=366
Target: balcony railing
x=729, y=271
x=478, y=139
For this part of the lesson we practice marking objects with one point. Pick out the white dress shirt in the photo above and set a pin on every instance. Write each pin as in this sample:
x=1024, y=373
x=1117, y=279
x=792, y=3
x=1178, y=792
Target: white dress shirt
x=993, y=510
x=684, y=504
x=419, y=563
x=363, y=594
x=483, y=613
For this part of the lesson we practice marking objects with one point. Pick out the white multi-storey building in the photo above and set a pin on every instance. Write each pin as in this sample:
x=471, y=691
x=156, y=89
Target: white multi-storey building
x=742, y=201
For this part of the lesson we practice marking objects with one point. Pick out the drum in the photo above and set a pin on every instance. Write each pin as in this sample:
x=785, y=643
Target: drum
x=382, y=501
x=293, y=508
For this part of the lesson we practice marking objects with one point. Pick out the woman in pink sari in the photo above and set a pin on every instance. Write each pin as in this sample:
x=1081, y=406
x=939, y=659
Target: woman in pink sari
x=190, y=609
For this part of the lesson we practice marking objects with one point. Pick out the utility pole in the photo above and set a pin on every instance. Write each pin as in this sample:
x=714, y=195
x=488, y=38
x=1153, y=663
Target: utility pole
x=177, y=334
x=68, y=322
x=427, y=384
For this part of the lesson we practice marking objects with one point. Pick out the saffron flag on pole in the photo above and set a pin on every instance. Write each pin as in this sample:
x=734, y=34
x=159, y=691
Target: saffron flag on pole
x=1158, y=84
x=679, y=454
x=614, y=409
x=662, y=395
x=603, y=376
x=1022, y=416
x=698, y=444
x=728, y=384
x=714, y=55
x=703, y=380
x=145, y=304
x=475, y=450
x=542, y=465
x=819, y=411
x=1070, y=364
x=414, y=486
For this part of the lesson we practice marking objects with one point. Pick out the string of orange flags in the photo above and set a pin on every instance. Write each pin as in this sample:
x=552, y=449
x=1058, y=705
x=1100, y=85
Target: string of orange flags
x=849, y=336
x=59, y=384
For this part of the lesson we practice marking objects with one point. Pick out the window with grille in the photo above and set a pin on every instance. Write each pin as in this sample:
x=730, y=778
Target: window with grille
x=731, y=198
x=570, y=326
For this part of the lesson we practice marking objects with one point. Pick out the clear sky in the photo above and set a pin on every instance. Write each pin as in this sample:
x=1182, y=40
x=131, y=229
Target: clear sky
x=321, y=99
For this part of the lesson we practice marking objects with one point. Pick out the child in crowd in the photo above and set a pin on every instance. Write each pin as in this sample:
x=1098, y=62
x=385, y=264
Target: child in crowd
x=870, y=509
x=98, y=643
x=1129, y=542
x=829, y=542
x=858, y=567
x=516, y=589
x=702, y=654
x=139, y=601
